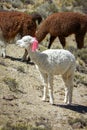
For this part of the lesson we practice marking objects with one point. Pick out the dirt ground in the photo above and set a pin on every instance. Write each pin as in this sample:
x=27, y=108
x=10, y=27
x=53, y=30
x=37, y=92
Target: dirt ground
x=21, y=93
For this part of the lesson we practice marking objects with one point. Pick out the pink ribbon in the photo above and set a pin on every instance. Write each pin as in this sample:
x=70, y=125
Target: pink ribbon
x=35, y=45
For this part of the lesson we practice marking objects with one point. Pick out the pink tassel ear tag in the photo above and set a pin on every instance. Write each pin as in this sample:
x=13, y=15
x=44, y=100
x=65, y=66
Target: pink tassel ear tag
x=35, y=45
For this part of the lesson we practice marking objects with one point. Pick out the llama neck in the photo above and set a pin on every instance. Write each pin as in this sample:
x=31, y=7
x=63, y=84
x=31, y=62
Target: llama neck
x=40, y=35
x=35, y=56
x=41, y=32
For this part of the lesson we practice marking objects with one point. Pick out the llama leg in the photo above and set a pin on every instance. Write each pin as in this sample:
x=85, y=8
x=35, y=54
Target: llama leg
x=50, y=88
x=80, y=40
x=62, y=41
x=44, y=81
x=3, y=52
x=68, y=89
x=66, y=95
x=25, y=55
x=52, y=38
x=3, y=48
x=70, y=93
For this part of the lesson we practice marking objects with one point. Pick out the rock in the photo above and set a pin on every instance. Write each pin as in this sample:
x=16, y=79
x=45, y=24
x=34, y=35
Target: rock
x=9, y=97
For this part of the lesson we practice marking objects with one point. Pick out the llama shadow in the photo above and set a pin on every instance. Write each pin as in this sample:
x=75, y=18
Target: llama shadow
x=74, y=107
x=13, y=58
x=19, y=59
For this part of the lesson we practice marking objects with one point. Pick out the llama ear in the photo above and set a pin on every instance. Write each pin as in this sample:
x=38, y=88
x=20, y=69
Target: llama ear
x=35, y=45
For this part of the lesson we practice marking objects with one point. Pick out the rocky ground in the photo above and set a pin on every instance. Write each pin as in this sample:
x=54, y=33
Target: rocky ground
x=21, y=107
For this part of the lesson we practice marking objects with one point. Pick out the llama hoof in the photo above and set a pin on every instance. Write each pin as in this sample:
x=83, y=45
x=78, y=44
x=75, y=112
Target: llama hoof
x=43, y=99
x=67, y=103
x=3, y=55
x=51, y=102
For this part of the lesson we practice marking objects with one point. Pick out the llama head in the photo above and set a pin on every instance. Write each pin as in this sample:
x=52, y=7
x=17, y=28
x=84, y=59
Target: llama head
x=28, y=42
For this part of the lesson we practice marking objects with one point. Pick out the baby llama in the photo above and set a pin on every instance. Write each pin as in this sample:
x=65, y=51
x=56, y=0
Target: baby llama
x=51, y=62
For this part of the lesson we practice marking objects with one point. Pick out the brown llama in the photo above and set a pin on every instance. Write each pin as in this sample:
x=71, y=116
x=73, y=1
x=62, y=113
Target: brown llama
x=12, y=24
x=62, y=25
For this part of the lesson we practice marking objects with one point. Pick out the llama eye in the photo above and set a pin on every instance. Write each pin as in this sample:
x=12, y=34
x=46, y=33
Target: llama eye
x=25, y=40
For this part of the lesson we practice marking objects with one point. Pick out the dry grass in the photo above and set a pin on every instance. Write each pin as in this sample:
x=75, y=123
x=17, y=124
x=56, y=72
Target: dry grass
x=21, y=69
x=78, y=123
x=11, y=83
x=23, y=126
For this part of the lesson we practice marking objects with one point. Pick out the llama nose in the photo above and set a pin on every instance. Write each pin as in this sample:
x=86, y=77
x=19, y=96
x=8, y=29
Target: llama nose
x=18, y=42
